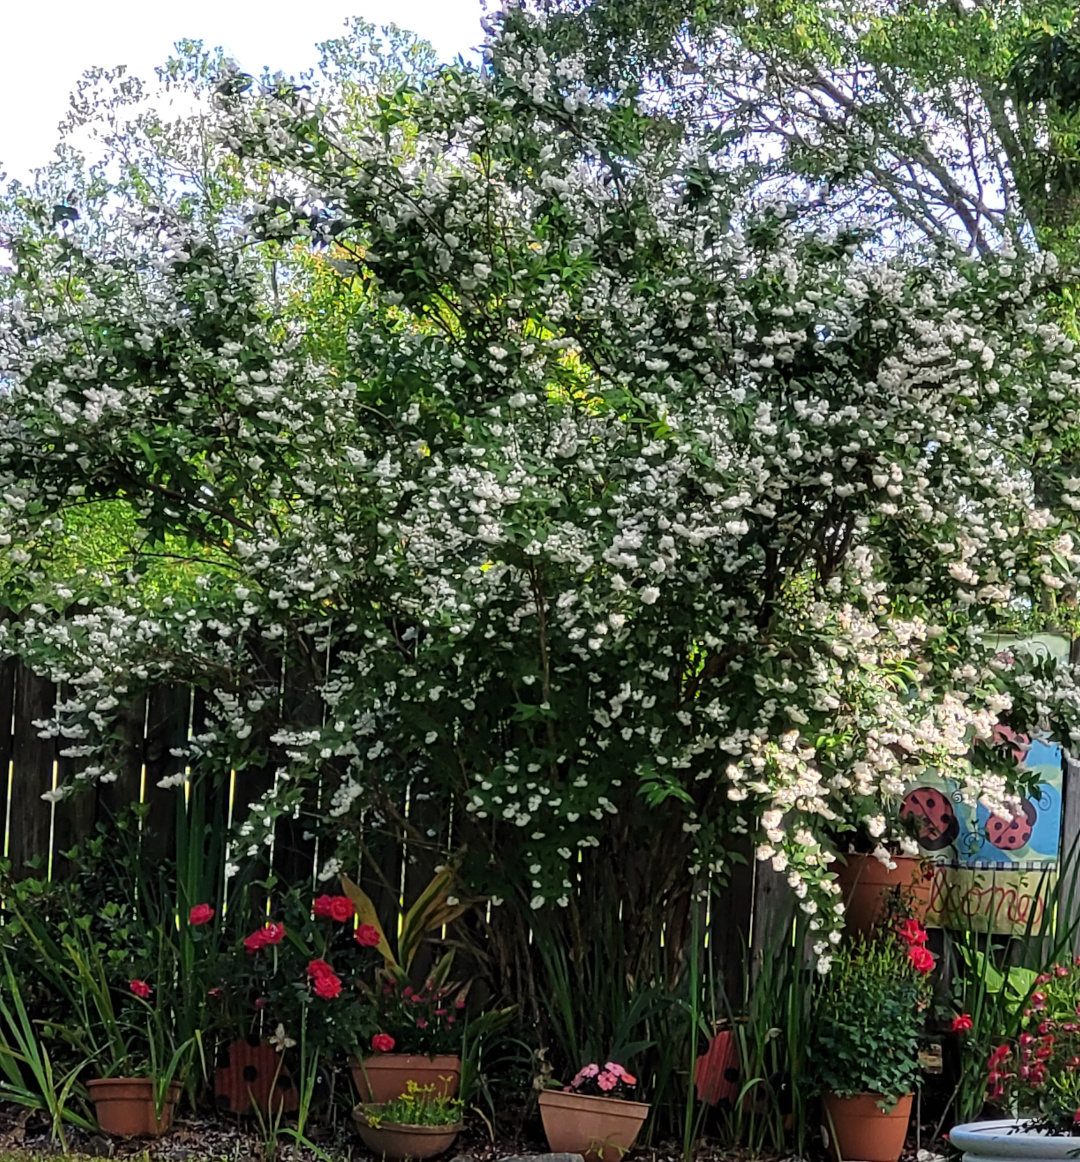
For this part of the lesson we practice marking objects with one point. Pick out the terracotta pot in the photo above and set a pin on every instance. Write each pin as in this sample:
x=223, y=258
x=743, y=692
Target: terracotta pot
x=1009, y=1140
x=125, y=1106
x=601, y=1129
x=857, y=1130
x=397, y=1141
x=866, y=881
x=383, y=1078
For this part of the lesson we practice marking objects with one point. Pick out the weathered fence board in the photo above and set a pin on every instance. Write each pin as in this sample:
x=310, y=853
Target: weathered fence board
x=7, y=711
x=32, y=758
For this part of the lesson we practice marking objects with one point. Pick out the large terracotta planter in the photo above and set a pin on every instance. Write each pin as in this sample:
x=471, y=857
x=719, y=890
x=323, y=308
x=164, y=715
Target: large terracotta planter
x=396, y=1141
x=601, y=1129
x=857, y=1130
x=383, y=1078
x=125, y=1106
x=865, y=883
x=1005, y=1140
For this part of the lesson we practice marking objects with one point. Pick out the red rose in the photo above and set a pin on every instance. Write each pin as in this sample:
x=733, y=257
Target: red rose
x=912, y=932
x=342, y=909
x=200, y=914
x=962, y=1023
x=327, y=986
x=216, y=993
x=339, y=908
x=382, y=1042
x=922, y=960
x=269, y=934
x=140, y=988
x=318, y=968
x=367, y=935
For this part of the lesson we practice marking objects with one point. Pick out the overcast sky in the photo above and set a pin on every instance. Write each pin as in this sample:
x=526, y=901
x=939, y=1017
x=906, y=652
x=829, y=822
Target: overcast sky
x=44, y=47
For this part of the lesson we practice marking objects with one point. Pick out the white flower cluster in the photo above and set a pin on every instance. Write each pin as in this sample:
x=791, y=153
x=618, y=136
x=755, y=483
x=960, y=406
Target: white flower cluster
x=537, y=497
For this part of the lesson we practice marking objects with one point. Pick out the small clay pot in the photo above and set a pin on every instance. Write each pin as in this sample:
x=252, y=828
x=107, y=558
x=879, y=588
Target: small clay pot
x=856, y=1129
x=392, y=1140
x=865, y=882
x=385, y=1077
x=600, y=1129
x=125, y=1106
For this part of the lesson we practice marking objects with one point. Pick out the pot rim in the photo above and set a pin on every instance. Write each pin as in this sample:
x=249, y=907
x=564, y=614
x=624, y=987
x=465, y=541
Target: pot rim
x=110, y=1081
x=980, y=1138
x=877, y=1095
x=560, y=1096
x=429, y=1131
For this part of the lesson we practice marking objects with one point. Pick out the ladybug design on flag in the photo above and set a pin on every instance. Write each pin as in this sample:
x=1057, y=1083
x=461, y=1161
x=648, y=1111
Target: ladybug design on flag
x=939, y=826
x=1011, y=834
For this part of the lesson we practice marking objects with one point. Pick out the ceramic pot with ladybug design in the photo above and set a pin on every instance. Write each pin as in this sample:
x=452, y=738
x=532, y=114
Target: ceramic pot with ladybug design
x=252, y=1076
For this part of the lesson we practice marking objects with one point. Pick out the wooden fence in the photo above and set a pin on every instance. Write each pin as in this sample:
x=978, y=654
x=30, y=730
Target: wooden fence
x=38, y=832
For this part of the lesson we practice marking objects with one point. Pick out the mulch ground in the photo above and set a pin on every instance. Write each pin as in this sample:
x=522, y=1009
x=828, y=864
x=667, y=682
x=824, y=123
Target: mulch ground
x=224, y=1138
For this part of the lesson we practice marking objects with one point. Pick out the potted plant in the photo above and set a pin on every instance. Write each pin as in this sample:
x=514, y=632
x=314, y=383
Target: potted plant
x=1034, y=1078
x=124, y=1032
x=595, y=1115
x=419, y=1124
x=302, y=977
x=868, y=1015
x=417, y=1033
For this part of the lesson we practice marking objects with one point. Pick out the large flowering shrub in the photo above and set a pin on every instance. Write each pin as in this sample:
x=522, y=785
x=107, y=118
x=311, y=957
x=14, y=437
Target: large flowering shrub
x=565, y=487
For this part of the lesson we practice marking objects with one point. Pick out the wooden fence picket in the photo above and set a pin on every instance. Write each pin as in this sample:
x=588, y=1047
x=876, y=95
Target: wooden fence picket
x=32, y=758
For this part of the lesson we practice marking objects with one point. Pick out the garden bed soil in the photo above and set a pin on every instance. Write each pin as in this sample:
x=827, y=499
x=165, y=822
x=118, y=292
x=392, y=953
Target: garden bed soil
x=24, y=1135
